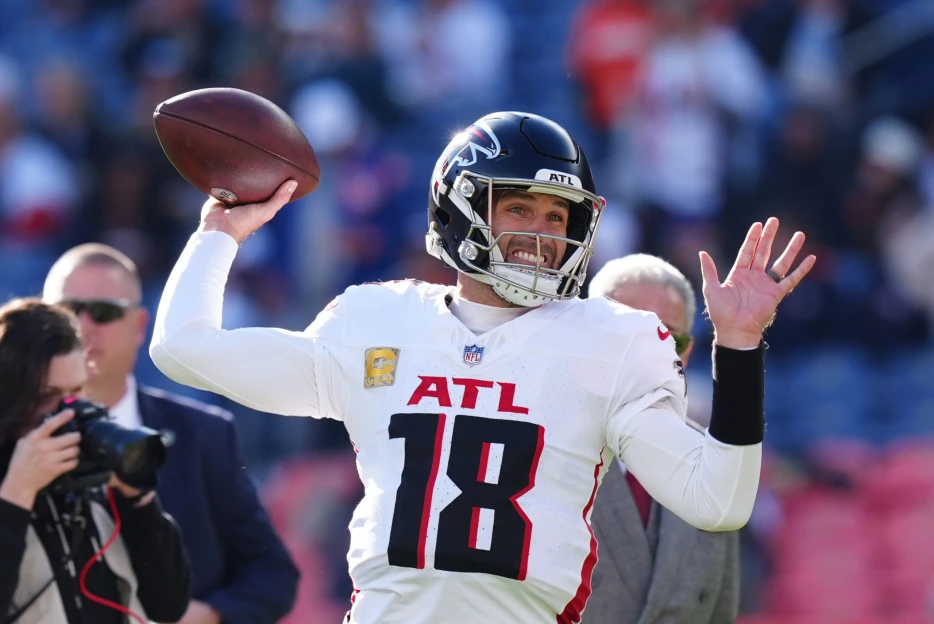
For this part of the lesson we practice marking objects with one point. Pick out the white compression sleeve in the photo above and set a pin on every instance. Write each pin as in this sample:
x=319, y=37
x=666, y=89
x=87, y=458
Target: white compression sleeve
x=709, y=484
x=267, y=369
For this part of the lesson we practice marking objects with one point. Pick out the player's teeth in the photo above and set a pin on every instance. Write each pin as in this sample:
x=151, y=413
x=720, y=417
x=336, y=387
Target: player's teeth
x=530, y=257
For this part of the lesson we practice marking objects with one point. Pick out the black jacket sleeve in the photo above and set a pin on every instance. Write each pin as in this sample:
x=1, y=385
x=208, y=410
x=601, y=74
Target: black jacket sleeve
x=159, y=560
x=14, y=520
x=264, y=580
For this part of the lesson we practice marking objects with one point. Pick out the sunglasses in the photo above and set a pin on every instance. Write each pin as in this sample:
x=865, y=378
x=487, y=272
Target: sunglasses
x=682, y=342
x=101, y=311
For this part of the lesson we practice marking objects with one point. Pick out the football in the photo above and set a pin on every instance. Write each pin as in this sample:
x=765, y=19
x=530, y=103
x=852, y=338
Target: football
x=235, y=145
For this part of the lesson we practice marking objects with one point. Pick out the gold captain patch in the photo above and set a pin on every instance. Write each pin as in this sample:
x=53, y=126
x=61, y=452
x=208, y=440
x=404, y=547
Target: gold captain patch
x=380, y=367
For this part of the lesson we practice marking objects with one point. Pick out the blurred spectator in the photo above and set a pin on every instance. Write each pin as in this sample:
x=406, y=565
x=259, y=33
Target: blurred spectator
x=170, y=33
x=161, y=70
x=337, y=40
x=926, y=170
x=886, y=180
x=884, y=192
x=812, y=69
x=803, y=176
x=700, y=92
x=804, y=173
x=907, y=248
x=447, y=53
x=352, y=233
x=248, y=56
x=607, y=43
x=38, y=191
x=65, y=117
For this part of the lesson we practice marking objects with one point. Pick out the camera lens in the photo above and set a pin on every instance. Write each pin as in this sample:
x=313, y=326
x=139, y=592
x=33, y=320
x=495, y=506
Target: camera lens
x=130, y=452
x=143, y=456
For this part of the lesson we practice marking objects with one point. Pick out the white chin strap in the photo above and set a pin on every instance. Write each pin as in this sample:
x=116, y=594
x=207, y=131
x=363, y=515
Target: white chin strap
x=547, y=287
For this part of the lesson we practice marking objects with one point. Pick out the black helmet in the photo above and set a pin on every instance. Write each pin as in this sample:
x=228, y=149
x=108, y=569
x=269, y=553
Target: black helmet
x=511, y=151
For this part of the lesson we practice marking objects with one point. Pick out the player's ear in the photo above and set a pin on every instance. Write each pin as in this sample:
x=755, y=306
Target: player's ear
x=142, y=324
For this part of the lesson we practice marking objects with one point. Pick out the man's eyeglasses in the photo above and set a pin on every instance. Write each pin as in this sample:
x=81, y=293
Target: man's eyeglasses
x=101, y=311
x=682, y=342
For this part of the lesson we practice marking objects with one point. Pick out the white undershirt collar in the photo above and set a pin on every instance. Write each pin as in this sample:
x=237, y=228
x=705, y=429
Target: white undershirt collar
x=480, y=318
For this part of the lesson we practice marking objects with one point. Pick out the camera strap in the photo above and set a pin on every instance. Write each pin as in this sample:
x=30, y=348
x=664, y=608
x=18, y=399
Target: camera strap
x=78, y=522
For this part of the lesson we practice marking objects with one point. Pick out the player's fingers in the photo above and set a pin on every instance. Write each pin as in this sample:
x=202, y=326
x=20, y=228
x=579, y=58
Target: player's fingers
x=783, y=265
x=748, y=248
x=212, y=203
x=788, y=284
x=212, y=206
x=283, y=193
x=708, y=270
x=764, y=248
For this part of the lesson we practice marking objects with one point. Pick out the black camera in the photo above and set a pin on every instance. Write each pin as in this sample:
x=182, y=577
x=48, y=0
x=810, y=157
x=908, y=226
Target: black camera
x=134, y=455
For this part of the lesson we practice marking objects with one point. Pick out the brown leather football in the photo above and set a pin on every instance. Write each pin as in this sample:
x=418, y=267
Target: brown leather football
x=235, y=145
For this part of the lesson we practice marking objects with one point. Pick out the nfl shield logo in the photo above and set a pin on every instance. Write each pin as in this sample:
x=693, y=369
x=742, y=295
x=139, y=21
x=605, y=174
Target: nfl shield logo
x=473, y=354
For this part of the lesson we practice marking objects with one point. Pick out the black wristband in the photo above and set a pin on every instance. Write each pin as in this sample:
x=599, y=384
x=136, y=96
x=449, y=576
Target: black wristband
x=738, y=412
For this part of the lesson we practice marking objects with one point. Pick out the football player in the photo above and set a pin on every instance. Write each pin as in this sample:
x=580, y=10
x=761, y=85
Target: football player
x=484, y=415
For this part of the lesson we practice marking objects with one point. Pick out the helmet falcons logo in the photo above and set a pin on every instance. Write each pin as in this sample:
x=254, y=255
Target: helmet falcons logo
x=479, y=139
x=466, y=148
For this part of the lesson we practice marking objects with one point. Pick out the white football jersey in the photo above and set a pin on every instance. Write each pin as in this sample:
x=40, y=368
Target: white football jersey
x=480, y=455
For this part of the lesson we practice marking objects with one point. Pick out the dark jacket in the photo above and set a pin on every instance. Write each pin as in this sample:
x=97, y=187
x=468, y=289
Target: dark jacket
x=239, y=565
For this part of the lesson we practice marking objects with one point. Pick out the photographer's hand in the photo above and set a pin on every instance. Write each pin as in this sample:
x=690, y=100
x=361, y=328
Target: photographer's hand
x=130, y=492
x=38, y=459
x=200, y=613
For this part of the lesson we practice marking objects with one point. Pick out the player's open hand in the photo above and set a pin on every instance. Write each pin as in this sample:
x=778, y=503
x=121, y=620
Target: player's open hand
x=241, y=221
x=742, y=307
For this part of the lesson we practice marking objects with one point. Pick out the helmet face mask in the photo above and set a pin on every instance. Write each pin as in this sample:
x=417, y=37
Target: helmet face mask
x=520, y=152
x=524, y=284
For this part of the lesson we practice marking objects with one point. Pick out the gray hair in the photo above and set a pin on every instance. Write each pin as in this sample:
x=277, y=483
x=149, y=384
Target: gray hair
x=644, y=269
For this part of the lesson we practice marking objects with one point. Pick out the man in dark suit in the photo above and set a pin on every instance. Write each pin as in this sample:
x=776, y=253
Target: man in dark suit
x=241, y=571
x=653, y=567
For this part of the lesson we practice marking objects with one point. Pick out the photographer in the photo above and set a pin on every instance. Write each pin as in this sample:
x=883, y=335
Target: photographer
x=72, y=555
x=241, y=572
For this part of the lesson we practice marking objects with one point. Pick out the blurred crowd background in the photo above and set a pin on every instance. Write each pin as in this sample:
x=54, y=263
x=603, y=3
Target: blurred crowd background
x=699, y=116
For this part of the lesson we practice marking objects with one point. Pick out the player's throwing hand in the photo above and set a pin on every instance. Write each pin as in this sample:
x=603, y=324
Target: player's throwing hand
x=242, y=221
x=742, y=307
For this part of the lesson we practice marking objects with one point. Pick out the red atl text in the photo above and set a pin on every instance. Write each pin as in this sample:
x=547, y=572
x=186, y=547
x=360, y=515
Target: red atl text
x=438, y=388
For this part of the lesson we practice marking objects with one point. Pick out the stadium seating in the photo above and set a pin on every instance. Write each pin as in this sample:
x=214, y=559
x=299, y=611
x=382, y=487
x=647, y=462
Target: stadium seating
x=862, y=553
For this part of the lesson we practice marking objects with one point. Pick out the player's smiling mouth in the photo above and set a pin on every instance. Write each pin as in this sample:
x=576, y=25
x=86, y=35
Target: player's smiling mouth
x=528, y=258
